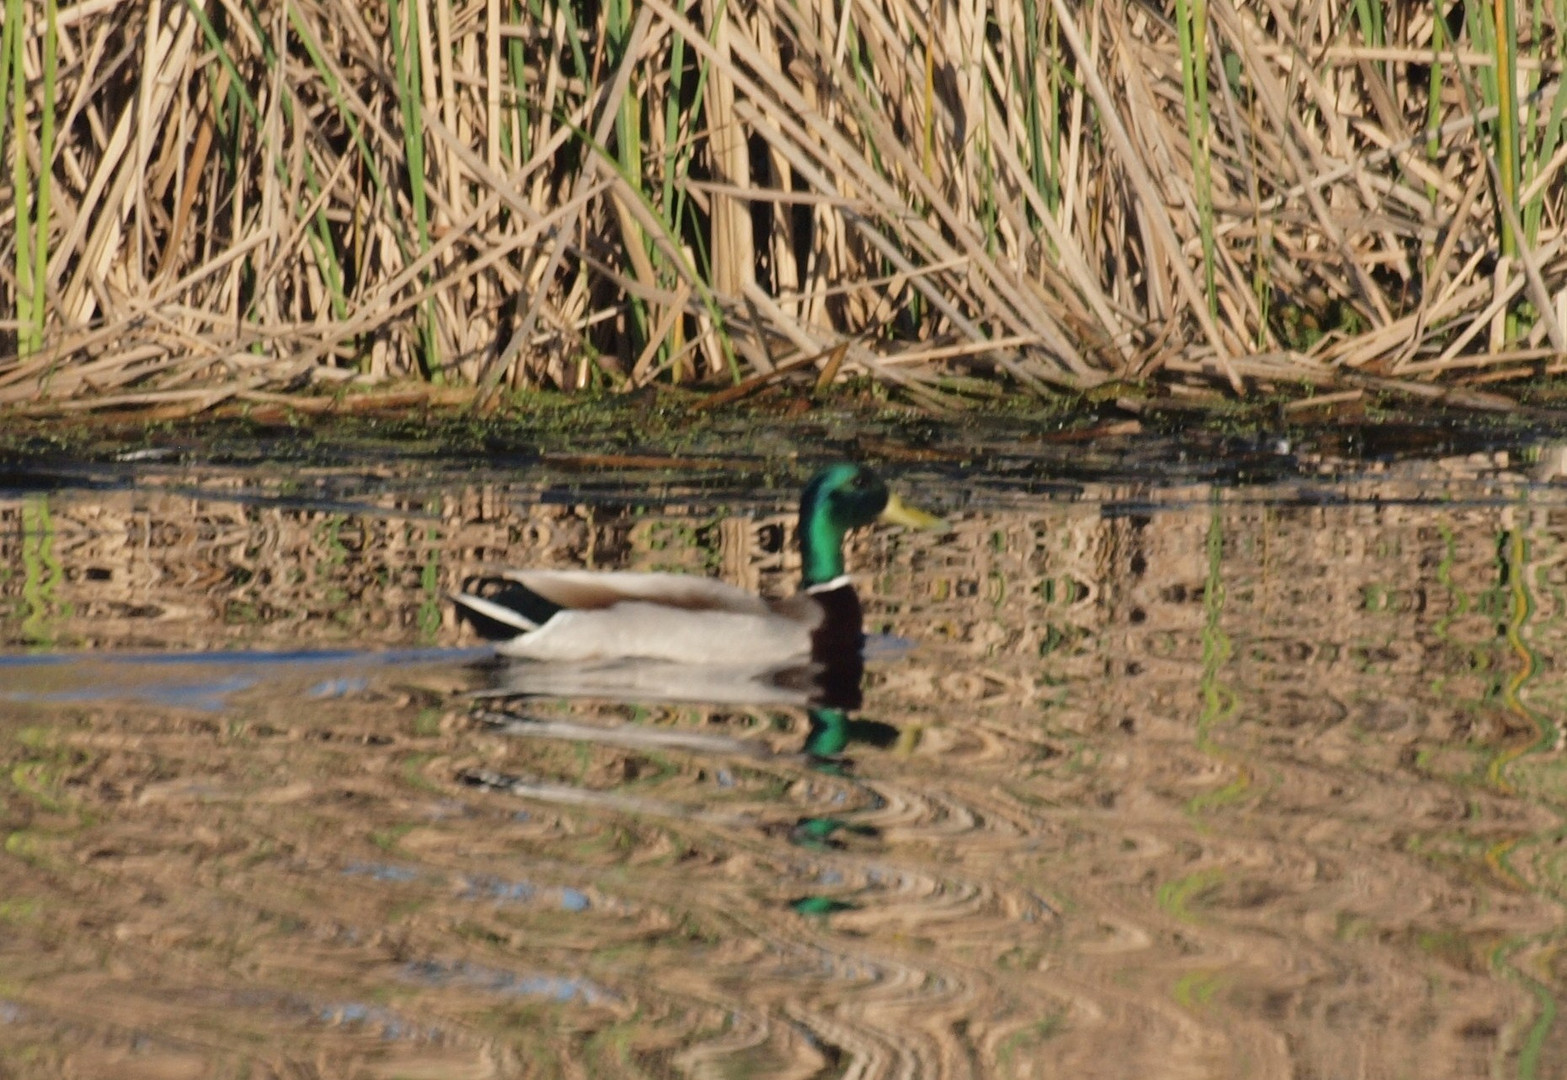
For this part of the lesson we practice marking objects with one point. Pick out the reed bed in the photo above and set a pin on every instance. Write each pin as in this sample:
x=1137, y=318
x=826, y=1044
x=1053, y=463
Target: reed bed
x=214, y=199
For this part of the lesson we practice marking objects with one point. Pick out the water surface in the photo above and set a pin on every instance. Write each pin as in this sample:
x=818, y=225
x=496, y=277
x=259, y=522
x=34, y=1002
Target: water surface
x=1157, y=773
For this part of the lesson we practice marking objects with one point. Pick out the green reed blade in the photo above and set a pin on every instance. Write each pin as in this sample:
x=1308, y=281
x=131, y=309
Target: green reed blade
x=1506, y=45
x=568, y=16
x=26, y=291
x=405, y=63
x=41, y=207
x=679, y=156
x=1191, y=18
x=405, y=59
x=215, y=41
x=9, y=29
x=1550, y=128
x=1492, y=28
x=1372, y=21
x=1440, y=40
x=1042, y=104
x=619, y=18
x=517, y=134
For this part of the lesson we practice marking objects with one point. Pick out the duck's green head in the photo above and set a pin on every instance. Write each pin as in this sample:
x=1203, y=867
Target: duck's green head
x=842, y=497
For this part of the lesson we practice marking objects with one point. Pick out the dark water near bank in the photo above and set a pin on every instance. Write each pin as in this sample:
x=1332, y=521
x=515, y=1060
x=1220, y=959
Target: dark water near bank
x=1159, y=772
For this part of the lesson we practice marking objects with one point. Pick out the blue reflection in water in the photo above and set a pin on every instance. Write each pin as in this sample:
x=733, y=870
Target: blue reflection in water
x=502, y=891
x=562, y=988
x=206, y=696
x=106, y=676
x=251, y=656
x=382, y=872
x=884, y=647
x=339, y=687
x=355, y=1014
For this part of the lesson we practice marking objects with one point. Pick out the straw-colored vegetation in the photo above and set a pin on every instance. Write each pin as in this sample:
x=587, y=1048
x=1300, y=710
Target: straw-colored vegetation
x=204, y=200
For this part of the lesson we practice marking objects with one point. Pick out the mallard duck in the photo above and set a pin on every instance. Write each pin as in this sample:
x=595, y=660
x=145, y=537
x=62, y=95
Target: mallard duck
x=576, y=616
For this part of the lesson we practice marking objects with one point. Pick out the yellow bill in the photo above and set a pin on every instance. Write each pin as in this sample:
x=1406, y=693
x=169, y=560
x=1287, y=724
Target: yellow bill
x=898, y=512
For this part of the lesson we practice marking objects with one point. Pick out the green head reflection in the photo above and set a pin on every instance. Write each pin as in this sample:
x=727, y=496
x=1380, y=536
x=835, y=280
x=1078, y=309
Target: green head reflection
x=832, y=732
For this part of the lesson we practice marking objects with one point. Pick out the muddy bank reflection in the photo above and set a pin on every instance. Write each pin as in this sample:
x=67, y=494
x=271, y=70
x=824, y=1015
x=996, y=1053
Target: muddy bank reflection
x=1172, y=782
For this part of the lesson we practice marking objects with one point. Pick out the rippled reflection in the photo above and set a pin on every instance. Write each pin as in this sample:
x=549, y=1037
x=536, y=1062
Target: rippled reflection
x=1137, y=781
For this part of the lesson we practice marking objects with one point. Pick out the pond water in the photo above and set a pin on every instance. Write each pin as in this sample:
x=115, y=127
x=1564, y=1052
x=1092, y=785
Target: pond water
x=1155, y=773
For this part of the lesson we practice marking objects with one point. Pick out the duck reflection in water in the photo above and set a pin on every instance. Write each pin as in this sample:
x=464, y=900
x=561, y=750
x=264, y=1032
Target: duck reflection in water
x=831, y=733
x=644, y=638
x=658, y=637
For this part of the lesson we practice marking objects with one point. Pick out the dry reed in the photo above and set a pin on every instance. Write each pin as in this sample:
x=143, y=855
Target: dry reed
x=212, y=199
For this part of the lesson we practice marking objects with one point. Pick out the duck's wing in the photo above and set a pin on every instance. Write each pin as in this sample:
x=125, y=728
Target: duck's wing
x=593, y=590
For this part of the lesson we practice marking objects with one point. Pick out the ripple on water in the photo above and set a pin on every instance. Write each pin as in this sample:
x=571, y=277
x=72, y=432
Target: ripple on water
x=1177, y=781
